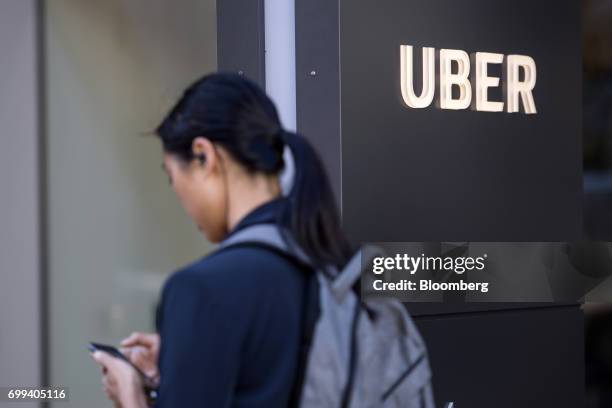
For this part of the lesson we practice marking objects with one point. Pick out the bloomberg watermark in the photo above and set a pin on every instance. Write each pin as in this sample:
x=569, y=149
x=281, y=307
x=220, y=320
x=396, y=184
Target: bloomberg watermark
x=488, y=271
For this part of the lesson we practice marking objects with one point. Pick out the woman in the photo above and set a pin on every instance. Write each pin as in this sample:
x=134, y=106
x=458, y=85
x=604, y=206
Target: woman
x=229, y=324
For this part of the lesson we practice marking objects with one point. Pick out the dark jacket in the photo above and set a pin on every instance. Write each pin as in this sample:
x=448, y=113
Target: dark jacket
x=230, y=327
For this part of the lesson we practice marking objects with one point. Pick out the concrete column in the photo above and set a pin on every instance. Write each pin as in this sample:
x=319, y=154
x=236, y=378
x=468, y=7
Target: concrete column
x=20, y=317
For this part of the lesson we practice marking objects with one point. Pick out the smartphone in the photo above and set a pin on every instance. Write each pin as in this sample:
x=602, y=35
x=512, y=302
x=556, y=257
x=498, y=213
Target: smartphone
x=114, y=351
x=149, y=388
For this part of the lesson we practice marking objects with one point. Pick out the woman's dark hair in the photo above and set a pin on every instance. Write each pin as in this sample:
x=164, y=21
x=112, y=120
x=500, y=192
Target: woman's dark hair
x=235, y=113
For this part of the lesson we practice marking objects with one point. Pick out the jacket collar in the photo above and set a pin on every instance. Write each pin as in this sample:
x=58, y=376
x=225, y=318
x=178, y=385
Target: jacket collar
x=266, y=213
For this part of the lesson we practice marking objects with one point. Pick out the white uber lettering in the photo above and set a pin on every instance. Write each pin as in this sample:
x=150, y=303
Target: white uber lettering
x=515, y=87
x=484, y=81
x=428, y=75
x=460, y=79
x=454, y=73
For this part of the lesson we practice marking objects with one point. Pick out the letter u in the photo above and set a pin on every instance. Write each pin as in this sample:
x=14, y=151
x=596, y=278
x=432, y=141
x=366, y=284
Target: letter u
x=407, y=78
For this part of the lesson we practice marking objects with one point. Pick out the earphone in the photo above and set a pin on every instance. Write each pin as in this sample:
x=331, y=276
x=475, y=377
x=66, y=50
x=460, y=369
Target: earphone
x=201, y=158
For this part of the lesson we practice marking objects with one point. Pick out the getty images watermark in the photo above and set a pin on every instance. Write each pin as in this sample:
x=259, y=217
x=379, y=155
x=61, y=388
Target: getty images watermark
x=462, y=272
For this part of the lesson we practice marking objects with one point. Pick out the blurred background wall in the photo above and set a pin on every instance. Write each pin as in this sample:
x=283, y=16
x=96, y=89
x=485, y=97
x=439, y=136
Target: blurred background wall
x=597, y=118
x=20, y=317
x=115, y=230
x=597, y=145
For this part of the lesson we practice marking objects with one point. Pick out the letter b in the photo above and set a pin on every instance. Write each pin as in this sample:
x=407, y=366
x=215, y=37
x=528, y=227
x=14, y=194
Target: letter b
x=460, y=79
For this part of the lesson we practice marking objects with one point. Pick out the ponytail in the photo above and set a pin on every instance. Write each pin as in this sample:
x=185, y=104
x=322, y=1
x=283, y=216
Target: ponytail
x=312, y=213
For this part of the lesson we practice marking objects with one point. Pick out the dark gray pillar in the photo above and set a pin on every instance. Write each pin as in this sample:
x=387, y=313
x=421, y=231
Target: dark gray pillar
x=317, y=70
x=240, y=38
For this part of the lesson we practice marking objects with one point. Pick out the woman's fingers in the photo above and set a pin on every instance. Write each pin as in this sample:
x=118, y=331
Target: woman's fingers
x=120, y=381
x=103, y=359
x=127, y=351
x=109, y=385
x=142, y=350
x=145, y=360
x=140, y=356
x=131, y=340
x=150, y=340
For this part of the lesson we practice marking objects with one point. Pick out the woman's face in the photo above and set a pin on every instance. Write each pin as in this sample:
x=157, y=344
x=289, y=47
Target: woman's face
x=201, y=190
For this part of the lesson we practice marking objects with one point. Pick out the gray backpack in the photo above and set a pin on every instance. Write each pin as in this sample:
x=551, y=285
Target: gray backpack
x=356, y=353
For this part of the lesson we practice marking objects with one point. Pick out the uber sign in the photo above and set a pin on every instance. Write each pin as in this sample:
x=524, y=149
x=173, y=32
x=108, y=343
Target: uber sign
x=458, y=120
x=477, y=85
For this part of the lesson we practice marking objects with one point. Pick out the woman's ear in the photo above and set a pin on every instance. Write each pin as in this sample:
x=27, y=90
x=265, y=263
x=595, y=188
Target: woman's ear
x=205, y=153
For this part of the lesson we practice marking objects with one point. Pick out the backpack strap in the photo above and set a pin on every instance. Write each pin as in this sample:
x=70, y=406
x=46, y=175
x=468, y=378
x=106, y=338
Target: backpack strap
x=353, y=269
x=268, y=237
x=269, y=234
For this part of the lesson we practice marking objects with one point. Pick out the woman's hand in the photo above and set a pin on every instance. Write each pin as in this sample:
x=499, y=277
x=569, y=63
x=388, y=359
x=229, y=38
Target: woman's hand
x=109, y=385
x=122, y=384
x=142, y=349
